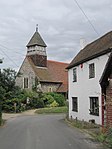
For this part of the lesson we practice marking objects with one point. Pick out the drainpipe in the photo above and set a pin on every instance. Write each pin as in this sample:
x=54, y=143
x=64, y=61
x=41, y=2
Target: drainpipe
x=102, y=99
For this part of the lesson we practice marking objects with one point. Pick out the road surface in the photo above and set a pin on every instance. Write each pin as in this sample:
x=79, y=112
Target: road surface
x=43, y=132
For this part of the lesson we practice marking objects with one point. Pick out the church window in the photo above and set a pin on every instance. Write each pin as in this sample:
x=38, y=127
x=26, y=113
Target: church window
x=25, y=83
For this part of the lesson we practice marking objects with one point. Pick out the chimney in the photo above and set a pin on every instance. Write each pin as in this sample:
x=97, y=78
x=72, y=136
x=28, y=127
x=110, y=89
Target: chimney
x=82, y=43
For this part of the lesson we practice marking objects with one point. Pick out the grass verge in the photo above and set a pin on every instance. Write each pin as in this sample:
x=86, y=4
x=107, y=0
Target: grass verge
x=52, y=110
x=93, y=130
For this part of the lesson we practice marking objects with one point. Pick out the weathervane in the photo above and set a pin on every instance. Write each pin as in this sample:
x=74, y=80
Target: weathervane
x=36, y=27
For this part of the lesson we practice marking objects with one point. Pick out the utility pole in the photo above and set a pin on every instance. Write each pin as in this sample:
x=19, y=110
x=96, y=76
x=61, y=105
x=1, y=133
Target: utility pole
x=1, y=61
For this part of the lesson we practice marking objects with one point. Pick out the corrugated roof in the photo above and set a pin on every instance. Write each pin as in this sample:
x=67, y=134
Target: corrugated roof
x=54, y=72
x=36, y=40
x=98, y=47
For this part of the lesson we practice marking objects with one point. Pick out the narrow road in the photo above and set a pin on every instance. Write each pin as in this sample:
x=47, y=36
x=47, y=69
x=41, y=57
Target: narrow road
x=42, y=132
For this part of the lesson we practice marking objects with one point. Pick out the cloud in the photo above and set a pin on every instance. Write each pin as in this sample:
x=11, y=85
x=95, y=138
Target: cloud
x=61, y=24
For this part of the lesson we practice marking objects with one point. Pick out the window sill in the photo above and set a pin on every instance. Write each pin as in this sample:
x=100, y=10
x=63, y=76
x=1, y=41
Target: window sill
x=91, y=77
x=94, y=114
x=74, y=111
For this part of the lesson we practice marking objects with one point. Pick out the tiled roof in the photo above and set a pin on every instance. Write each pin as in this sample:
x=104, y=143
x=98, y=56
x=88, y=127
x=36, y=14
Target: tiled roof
x=54, y=72
x=62, y=88
x=58, y=71
x=97, y=48
x=36, y=40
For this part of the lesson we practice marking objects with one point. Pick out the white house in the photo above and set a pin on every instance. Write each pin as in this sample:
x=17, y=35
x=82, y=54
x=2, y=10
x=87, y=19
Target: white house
x=85, y=71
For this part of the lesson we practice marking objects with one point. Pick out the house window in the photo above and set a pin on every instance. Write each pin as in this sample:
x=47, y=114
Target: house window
x=74, y=75
x=91, y=71
x=74, y=104
x=50, y=89
x=94, y=106
x=25, y=82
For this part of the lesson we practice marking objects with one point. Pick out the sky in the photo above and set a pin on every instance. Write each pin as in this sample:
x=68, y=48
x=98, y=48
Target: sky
x=61, y=23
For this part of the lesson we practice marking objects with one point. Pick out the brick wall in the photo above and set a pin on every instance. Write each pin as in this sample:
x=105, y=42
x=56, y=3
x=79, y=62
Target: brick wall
x=109, y=103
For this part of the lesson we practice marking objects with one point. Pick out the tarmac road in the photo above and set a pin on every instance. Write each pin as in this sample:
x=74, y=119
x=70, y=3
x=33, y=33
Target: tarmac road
x=43, y=132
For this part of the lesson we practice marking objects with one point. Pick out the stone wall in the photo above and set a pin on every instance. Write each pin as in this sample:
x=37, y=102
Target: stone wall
x=26, y=72
x=50, y=87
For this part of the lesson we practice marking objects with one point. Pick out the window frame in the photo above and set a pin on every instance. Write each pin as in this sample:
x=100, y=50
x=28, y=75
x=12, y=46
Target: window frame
x=91, y=70
x=50, y=89
x=75, y=104
x=25, y=83
x=74, y=74
x=94, y=106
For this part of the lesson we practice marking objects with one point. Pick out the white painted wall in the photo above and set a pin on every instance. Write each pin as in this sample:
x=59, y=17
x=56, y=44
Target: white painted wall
x=85, y=88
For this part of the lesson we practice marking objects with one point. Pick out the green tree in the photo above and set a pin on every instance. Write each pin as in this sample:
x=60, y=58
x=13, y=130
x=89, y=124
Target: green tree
x=8, y=90
x=2, y=92
x=8, y=79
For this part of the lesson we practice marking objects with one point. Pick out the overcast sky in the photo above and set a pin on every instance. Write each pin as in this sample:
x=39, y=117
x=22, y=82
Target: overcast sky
x=61, y=25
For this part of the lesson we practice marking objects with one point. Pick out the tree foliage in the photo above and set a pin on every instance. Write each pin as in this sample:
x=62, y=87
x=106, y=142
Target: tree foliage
x=7, y=79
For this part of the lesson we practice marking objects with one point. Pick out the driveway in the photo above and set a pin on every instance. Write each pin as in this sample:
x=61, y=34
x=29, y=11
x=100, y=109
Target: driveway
x=7, y=116
x=43, y=132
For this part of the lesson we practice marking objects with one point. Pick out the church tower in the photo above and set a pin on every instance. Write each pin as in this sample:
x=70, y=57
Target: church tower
x=36, y=50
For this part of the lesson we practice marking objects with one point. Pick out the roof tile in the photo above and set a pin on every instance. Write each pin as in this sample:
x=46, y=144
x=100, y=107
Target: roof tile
x=54, y=72
x=98, y=47
x=36, y=40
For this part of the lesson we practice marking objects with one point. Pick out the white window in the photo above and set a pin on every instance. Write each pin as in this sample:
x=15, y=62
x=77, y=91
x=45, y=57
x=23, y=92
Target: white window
x=94, y=106
x=74, y=104
x=75, y=75
x=91, y=70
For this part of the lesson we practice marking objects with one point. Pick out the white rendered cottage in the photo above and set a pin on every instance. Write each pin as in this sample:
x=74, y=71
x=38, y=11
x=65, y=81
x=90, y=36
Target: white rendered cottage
x=85, y=71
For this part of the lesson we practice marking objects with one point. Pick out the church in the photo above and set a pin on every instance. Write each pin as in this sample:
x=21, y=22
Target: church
x=36, y=72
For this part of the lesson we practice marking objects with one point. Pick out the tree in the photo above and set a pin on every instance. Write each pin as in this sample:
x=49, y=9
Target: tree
x=2, y=92
x=8, y=79
x=7, y=86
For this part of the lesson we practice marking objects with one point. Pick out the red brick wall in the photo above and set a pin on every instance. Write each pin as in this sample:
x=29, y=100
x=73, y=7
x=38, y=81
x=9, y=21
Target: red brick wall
x=39, y=60
x=109, y=103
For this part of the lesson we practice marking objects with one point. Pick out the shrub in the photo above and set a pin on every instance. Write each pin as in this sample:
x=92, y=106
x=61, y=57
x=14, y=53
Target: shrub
x=8, y=105
x=54, y=104
x=109, y=137
x=36, y=103
x=59, y=98
x=48, y=99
